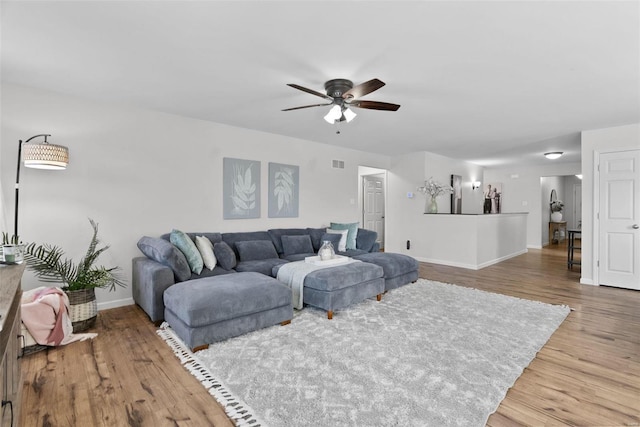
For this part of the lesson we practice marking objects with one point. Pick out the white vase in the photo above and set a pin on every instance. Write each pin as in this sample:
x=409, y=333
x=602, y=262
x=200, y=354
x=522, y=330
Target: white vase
x=556, y=216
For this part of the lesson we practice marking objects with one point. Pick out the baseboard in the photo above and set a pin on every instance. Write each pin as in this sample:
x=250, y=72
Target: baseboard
x=472, y=266
x=504, y=258
x=535, y=246
x=449, y=263
x=584, y=281
x=115, y=304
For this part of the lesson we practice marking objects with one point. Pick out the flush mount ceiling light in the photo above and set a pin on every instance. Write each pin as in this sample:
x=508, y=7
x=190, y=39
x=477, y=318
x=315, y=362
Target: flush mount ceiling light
x=553, y=155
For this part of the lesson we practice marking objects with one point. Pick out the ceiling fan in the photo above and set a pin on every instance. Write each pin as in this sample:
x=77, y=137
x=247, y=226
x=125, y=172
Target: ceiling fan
x=343, y=95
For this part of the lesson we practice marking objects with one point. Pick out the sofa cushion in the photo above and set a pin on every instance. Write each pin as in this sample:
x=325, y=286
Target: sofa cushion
x=264, y=266
x=189, y=249
x=352, y=228
x=342, y=245
x=253, y=250
x=225, y=255
x=292, y=245
x=205, y=247
x=352, y=252
x=277, y=233
x=232, y=238
x=215, y=299
x=316, y=236
x=217, y=271
x=366, y=239
x=166, y=254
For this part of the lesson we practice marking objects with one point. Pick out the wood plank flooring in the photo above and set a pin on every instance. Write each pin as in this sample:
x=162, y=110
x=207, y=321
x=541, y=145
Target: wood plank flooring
x=588, y=374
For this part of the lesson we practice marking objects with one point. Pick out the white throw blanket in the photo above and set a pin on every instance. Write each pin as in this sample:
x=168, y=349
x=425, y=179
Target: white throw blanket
x=293, y=274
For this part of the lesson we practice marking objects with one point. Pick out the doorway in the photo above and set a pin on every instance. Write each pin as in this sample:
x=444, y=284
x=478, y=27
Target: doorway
x=373, y=184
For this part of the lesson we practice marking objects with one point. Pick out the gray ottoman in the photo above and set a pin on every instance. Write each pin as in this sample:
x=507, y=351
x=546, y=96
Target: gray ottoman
x=204, y=311
x=398, y=269
x=338, y=287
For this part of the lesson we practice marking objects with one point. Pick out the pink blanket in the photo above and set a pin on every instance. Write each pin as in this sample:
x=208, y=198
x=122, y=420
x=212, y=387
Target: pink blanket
x=45, y=313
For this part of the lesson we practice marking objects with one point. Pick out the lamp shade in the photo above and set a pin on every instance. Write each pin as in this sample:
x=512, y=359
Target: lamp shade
x=45, y=156
x=334, y=114
x=349, y=114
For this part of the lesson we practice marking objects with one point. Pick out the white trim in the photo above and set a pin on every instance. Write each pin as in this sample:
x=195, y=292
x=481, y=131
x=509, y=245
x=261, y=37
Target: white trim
x=595, y=237
x=534, y=246
x=472, y=266
x=587, y=282
x=115, y=303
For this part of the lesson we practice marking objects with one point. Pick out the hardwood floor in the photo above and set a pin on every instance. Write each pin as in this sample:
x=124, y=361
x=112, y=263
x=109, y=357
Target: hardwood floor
x=588, y=374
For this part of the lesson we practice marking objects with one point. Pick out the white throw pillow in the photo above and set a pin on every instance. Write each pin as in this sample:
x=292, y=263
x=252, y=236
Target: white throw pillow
x=205, y=247
x=342, y=246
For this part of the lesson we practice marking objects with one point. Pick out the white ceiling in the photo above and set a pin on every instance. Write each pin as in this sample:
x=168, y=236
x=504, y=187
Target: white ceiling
x=489, y=82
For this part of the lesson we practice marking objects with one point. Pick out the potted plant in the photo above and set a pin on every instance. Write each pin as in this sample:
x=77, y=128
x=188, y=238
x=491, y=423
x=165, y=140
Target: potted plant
x=79, y=281
x=12, y=249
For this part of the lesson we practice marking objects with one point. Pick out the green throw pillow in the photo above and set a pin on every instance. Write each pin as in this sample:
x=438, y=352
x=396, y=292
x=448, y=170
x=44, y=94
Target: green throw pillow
x=351, y=235
x=189, y=249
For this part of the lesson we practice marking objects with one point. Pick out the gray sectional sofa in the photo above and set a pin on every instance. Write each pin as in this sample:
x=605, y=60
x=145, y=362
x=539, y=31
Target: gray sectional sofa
x=253, y=259
x=164, y=265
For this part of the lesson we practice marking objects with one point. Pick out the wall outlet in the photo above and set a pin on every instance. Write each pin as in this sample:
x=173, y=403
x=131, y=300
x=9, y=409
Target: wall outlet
x=408, y=244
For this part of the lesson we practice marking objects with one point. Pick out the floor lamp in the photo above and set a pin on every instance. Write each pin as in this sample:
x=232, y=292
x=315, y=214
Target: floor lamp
x=40, y=156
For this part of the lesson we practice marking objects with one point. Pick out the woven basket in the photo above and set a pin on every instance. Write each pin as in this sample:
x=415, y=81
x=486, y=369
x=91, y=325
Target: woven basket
x=83, y=309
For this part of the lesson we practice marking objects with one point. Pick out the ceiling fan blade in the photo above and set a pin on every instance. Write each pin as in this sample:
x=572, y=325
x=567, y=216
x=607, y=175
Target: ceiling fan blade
x=311, y=91
x=363, y=89
x=375, y=105
x=306, y=106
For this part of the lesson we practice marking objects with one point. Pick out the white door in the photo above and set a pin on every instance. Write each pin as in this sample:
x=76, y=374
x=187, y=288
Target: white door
x=373, y=205
x=619, y=219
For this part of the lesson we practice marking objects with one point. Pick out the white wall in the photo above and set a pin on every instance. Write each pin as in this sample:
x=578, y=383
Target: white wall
x=598, y=141
x=521, y=190
x=408, y=172
x=138, y=172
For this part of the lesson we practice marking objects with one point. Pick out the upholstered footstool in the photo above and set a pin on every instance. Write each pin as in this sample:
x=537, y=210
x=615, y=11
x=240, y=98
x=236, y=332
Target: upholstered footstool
x=338, y=287
x=398, y=269
x=204, y=311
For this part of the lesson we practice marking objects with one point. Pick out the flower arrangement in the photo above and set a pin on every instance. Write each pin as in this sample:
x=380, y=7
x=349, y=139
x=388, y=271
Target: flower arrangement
x=434, y=188
x=557, y=206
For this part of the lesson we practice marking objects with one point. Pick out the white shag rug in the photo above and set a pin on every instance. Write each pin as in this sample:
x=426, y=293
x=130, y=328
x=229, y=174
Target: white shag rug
x=428, y=354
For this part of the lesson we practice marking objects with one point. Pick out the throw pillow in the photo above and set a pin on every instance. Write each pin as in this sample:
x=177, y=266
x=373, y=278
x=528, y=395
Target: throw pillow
x=254, y=250
x=205, y=247
x=292, y=245
x=342, y=246
x=166, y=254
x=224, y=255
x=352, y=232
x=189, y=249
x=333, y=238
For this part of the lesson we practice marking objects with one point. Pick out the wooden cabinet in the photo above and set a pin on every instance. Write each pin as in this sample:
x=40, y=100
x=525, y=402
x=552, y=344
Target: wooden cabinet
x=10, y=343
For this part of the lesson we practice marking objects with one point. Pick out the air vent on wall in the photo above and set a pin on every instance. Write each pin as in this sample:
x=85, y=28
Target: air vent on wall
x=337, y=164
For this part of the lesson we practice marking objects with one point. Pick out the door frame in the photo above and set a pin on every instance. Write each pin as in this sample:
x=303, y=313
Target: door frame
x=372, y=170
x=384, y=197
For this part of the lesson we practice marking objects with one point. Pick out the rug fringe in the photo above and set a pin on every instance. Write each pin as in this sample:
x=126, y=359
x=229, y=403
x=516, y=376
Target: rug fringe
x=239, y=412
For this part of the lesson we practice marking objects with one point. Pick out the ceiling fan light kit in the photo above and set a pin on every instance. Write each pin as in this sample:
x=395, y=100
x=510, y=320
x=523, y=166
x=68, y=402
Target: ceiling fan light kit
x=343, y=95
